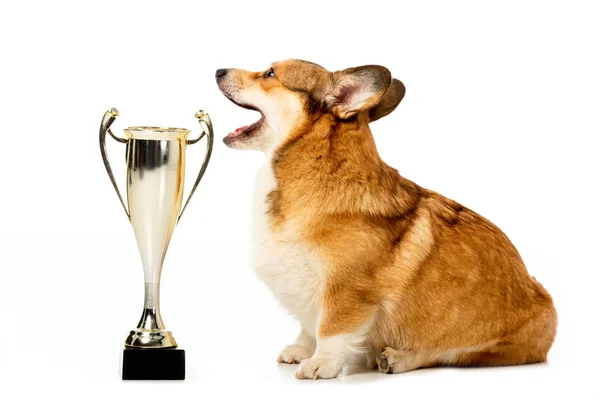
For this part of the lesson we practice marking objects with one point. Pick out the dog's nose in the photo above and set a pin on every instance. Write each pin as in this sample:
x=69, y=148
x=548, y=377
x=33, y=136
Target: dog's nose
x=220, y=73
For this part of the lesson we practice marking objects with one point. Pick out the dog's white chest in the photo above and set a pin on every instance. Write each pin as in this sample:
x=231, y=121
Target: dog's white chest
x=286, y=266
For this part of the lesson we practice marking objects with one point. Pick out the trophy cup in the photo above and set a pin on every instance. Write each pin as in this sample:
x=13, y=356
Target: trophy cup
x=155, y=166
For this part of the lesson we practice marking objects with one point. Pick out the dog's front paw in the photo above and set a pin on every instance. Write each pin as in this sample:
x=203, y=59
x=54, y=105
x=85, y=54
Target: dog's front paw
x=318, y=368
x=294, y=354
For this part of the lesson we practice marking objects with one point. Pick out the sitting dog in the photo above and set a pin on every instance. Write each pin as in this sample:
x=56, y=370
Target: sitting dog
x=369, y=262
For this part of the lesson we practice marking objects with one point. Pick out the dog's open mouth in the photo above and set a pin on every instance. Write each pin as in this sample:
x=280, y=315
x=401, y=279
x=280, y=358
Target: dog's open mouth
x=246, y=131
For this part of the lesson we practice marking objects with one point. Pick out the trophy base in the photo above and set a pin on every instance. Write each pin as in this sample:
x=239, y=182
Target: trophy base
x=150, y=339
x=153, y=364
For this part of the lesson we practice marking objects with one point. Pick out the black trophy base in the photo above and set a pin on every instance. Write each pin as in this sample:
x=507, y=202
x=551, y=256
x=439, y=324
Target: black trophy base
x=153, y=364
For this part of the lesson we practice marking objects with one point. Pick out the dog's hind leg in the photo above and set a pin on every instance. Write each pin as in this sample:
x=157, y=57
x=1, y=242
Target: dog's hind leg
x=527, y=345
x=392, y=361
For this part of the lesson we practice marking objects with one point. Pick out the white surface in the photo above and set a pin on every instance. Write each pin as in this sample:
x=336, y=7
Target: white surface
x=501, y=114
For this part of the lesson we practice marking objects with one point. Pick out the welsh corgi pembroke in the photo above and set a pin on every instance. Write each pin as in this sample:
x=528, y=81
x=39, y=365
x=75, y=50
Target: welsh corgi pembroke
x=370, y=263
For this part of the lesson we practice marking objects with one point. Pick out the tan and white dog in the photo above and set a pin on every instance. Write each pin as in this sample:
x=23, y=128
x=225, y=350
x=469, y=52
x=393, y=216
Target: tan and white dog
x=368, y=261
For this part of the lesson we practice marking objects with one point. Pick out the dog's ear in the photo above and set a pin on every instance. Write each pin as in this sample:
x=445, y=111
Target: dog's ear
x=390, y=100
x=357, y=89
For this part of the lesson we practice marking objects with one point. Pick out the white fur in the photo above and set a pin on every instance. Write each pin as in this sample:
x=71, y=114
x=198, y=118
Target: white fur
x=289, y=269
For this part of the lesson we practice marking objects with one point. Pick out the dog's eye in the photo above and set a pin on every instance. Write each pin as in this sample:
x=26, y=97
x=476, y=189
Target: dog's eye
x=269, y=74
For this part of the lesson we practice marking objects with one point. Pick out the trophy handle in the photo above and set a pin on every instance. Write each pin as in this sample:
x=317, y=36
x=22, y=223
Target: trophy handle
x=207, y=130
x=107, y=120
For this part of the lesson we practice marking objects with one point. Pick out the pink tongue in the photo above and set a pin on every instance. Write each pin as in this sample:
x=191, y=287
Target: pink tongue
x=238, y=131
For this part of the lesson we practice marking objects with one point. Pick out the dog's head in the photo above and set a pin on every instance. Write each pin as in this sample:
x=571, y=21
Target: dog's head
x=293, y=93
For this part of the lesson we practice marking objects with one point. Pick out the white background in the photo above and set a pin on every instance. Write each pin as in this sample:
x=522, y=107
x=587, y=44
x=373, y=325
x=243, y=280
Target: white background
x=501, y=114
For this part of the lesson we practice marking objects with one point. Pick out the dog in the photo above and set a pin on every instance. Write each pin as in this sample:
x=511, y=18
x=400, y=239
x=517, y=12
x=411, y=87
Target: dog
x=369, y=262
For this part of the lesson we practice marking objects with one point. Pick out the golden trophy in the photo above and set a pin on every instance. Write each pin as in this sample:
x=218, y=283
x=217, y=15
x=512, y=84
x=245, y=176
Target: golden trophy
x=155, y=172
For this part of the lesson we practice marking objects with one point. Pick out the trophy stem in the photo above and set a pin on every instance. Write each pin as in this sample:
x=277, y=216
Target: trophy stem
x=151, y=319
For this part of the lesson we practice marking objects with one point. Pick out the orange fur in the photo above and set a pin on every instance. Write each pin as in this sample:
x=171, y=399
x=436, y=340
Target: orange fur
x=434, y=281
